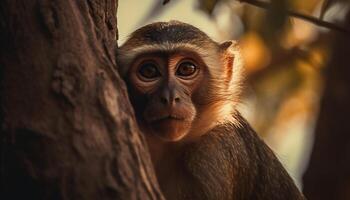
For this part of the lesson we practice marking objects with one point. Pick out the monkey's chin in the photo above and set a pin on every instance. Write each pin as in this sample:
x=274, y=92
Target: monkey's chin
x=170, y=130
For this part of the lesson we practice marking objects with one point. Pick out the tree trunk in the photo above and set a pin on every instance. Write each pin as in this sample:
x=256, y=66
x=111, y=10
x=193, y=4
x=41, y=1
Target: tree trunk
x=67, y=127
x=328, y=175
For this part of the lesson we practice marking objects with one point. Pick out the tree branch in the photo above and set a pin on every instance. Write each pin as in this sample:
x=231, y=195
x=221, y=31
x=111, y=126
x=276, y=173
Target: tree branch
x=311, y=19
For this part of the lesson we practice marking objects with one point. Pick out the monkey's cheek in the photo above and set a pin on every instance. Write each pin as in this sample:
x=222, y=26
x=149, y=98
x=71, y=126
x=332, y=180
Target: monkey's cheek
x=171, y=130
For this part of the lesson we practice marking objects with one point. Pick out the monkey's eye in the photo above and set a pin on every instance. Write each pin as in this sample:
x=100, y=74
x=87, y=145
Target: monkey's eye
x=149, y=71
x=186, y=69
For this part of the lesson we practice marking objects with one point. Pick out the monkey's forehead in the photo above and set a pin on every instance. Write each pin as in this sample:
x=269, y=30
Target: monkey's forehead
x=127, y=54
x=168, y=32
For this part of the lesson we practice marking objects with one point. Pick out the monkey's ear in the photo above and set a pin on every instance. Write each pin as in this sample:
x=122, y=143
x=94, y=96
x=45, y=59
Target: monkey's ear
x=229, y=47
x=229, y=50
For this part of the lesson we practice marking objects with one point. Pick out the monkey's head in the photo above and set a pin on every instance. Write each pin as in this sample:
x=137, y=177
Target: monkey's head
x=181, y=83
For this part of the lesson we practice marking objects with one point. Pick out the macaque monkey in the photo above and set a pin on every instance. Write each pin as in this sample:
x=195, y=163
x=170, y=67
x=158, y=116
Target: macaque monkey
x=184, y=88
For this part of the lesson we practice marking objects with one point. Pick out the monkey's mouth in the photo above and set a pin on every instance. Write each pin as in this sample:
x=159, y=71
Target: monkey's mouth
x=167, y=118
x=170, y=127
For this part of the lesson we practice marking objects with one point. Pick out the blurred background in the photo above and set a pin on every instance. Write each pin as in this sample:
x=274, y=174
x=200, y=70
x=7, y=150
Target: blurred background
x=297, y=76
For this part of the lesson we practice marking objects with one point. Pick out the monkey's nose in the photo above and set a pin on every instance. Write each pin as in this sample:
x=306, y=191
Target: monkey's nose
x=169, y=101
x=169, y=98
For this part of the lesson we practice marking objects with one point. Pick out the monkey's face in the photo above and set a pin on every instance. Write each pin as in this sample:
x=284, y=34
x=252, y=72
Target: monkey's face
x=181, y=83
x=162, y=87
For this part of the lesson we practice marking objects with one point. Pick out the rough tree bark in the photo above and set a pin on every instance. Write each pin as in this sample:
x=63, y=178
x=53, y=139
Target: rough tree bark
x=67, y=128
x=328, y=175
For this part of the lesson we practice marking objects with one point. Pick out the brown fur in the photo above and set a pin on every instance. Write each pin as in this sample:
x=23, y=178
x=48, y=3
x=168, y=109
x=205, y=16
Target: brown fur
x=214, y=153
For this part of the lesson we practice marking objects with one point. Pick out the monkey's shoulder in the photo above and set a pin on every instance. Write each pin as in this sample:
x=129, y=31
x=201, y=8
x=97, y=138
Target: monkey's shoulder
x=224, y=143
x=220, y=144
